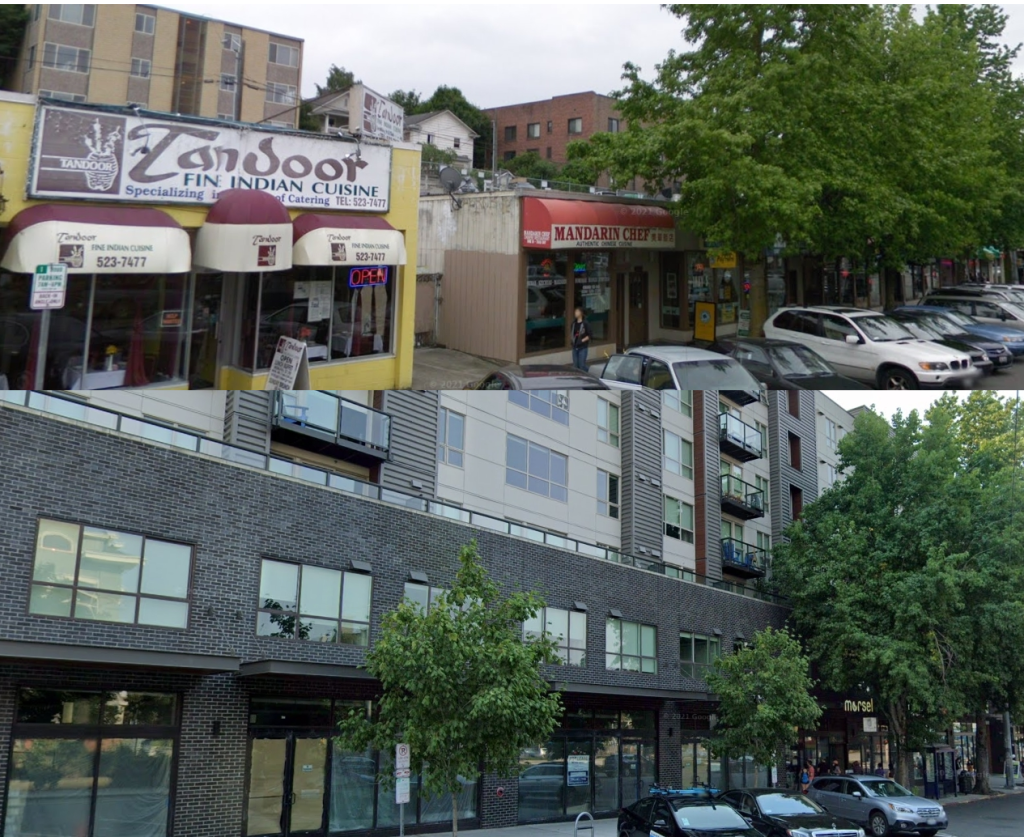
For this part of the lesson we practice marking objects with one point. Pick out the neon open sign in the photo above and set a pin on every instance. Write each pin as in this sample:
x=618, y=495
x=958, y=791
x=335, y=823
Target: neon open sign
x=368, y=277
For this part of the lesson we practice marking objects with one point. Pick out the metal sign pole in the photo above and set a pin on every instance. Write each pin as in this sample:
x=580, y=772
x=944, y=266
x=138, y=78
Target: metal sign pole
x=44, y=339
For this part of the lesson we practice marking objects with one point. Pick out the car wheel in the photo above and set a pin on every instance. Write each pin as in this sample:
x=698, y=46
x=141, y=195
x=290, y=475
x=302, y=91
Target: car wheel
x=878, y=824
x=895, y=378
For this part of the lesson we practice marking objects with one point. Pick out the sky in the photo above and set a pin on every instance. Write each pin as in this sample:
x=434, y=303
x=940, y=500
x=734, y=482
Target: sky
x=497, y=54
x=887, y=403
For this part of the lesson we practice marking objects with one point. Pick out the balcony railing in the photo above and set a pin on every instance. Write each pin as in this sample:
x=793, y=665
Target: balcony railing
x=743, y=397
x=739, y=440
x=740, y=499
x=334, y=424
x=743, y=560
x=75, y=409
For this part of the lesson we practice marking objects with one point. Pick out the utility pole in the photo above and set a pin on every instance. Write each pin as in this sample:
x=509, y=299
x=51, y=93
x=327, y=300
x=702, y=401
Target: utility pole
x=1008, y=744
x=494, y=154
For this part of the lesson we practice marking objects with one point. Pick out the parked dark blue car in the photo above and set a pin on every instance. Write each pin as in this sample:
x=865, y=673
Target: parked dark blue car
x=1012, y=338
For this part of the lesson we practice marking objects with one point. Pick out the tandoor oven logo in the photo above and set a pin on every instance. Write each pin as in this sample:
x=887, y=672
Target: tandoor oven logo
x=81, y=153
x=267, y=256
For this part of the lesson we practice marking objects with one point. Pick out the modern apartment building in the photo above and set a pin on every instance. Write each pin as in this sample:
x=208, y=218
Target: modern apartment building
x=193, y=580
x=547, y=127
x=161, y=60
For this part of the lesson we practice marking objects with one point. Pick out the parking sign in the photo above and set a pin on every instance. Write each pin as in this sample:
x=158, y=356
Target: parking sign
x=49, y=287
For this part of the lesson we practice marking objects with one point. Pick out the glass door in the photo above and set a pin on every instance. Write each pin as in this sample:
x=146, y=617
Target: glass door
x=286, y=786
x=207, y=337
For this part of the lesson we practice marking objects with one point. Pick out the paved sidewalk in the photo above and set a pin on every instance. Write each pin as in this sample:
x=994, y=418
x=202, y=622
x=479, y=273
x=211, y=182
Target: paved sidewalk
x=602, y=828
x=444, y=369
x=999, y=789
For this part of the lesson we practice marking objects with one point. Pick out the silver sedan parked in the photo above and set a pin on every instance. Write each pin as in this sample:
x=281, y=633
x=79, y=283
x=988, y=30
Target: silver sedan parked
x=879, y=804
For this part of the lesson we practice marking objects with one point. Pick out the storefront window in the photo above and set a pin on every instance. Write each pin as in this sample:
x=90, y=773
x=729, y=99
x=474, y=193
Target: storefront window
x=546, y=302
x=339, y=313
x=672, y=287
x=593, y=291
x=698, y=278
x=727, y=283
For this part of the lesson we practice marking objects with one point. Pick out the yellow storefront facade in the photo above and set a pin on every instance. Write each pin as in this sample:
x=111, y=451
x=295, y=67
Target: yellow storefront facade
x=194, y=248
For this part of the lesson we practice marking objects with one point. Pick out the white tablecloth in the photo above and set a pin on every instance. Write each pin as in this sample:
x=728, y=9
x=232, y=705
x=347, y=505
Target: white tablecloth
x=93, y=380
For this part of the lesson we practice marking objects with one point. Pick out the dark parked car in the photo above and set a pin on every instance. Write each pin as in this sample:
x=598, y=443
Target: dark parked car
x=993, y=356
x=539, y=379
x=682, y=815
x=777, y=812
x=783, y=365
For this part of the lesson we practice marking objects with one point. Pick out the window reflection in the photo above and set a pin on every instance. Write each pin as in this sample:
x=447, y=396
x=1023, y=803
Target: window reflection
x=545, y=301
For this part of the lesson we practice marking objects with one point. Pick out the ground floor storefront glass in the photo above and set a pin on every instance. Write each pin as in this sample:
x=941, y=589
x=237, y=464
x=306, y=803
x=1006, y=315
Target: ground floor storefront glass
x=298, y=782
x=600, y=761
x=90, y=763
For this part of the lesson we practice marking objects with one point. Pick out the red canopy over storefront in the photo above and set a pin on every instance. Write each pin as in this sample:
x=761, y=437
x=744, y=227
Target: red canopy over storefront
x=573, y=225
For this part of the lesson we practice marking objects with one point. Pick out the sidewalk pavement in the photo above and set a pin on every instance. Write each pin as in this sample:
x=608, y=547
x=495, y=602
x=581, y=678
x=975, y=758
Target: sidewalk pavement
x=999, y=789
x=602, y=828
x=443, y=369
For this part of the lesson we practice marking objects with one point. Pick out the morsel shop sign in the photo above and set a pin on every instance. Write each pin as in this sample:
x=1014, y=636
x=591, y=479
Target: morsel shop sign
x=95, y=155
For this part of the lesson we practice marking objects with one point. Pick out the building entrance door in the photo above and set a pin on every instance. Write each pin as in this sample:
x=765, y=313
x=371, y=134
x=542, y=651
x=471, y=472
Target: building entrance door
x=207, y=336
x=638, y=315
x=286, y=786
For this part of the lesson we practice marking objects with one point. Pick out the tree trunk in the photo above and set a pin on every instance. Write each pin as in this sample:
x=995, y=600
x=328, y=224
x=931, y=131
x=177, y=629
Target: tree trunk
x=455, y=815
x=981, y=767
x=905, y=767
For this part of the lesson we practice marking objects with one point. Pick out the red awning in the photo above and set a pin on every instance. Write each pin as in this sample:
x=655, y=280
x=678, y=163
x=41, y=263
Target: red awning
x=573, y=225
x=245, y=232
x=346, y=240
x=95, y=239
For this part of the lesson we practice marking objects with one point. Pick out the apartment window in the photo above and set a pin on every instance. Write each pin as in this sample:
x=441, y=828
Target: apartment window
x=678, y=520
x=831, y=434
x=90, y=573
x=794, y=452
x=607, y=495
x=141, y=67
x=83, y=15
x=287, y=56
x=536, y=469
x=313, y=603
x=763, y=430
x=764, y=541
x=451, y=442
x=69, y=59
x=796, y=502
x=280, y=94
x=607, y=423
x=232, y=42
x=430, y=139
x=553, y=404
x=32, y=56
x=678, y=455
x=830, y=475
x=762, y=485
x=61, y=97
x=145, y=24
x=679, y=400
x=425, y=597
x=697, y=654
x=456, y=142
x=576, y=126
x=551, y=127
x=510, y=133
x=509, y=155
x=548, y=152
x=533, y=151
x=533, y=130
x=35, y=12
x=732, y=531
x=568, y=630
x=613, y=126
x=630, y=646
x=794, y=402
x=228, y=82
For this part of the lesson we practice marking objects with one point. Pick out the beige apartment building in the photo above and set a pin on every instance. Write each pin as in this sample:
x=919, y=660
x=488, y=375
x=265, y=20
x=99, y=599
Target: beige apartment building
x=160, y=60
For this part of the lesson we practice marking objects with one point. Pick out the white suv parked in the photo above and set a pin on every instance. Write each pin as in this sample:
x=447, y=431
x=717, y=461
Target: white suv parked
x=873, y=348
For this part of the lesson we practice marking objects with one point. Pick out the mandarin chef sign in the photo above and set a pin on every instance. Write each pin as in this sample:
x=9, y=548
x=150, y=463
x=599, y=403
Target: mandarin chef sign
x=583, y=236
x=101, y=156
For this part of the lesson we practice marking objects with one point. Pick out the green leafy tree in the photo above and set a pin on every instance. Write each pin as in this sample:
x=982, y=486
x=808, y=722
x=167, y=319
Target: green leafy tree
x=458, y=684
x=532, y=165
x=14, y=19
x=764, y=694
x=409, y=100
x=338, y=81
x=443, y=156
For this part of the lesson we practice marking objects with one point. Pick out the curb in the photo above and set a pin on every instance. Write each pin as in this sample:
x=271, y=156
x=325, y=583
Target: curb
x=993, y=795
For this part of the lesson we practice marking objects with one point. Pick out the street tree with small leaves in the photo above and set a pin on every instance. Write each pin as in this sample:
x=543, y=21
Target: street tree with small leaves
x=458, y=684
x=765, y=698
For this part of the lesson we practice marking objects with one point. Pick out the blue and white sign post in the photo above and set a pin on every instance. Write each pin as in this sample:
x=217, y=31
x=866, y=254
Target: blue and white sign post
x=49, y=293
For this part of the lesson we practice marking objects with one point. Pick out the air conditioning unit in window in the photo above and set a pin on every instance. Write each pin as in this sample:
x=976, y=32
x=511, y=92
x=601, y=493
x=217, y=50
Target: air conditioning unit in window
x=562, y=401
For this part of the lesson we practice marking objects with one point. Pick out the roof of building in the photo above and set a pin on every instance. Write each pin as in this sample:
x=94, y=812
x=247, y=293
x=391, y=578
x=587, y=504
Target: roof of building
x=221, y=20
x=417, y=119
x=545, y=101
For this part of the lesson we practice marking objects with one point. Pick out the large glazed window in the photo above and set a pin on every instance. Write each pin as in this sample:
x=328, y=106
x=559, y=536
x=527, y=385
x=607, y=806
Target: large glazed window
x=84, y=572
x=546, y=284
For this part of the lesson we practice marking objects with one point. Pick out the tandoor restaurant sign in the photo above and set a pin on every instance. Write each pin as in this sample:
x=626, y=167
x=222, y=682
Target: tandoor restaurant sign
x=91, y=155
x=585, y=236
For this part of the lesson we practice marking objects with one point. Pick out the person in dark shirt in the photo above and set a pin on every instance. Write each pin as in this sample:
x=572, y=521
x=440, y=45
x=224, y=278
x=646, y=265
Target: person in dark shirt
x=581, y=334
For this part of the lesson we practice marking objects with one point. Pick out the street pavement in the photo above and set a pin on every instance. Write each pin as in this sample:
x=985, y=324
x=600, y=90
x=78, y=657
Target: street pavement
x=443, y=369
x=1011, y=380
x=1001, y=816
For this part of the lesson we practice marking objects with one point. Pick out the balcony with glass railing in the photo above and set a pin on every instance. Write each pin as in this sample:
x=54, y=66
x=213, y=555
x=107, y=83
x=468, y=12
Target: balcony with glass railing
x=75, y=409
x=740, y=499
x=743, y=397
x=739, y=440
x=743, y=560
x=324, y=423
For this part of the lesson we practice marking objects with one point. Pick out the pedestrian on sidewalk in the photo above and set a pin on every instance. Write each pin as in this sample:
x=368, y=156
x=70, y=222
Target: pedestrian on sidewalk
x=581, y=334
x=805, y=777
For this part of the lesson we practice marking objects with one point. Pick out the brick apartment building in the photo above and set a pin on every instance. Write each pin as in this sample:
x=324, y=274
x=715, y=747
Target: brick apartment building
x=547, y=127
x=161, y=60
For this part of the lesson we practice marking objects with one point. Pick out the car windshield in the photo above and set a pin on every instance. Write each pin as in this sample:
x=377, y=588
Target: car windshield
x=707, y=817
x=1014, y=309
x=923, y=329
x=714, y=374
x=886, y=789
x=799, y=362
x=883, y=330
x=787, y=805
x=957, y=317
x=940, y=326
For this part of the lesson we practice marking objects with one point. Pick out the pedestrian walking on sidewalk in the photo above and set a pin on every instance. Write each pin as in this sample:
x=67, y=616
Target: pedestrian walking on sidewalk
x=805, y=777
x=581, y=334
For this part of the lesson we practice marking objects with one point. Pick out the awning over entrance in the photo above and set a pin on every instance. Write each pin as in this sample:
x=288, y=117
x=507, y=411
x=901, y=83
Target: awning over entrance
x=576, y=225
x=245, y=232
x=52, y=653
x=94, y=239
x=285, y=668
x=346, y=241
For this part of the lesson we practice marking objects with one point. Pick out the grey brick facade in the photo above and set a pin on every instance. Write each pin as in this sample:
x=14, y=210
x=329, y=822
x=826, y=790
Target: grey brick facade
x=234, y=516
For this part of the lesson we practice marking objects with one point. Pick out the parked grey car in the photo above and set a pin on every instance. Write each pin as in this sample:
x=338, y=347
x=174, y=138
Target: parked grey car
x=880, y=804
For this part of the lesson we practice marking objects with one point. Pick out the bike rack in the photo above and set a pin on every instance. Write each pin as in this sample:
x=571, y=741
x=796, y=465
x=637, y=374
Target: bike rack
x=587, y=826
